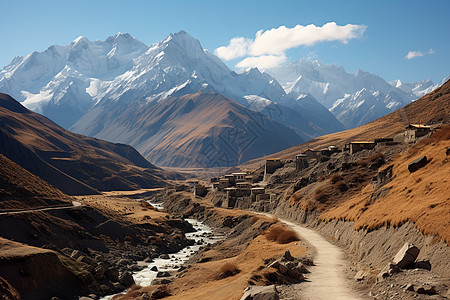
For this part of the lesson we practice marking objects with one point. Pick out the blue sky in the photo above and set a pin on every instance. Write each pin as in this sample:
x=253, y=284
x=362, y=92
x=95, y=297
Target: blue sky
x=392, y=28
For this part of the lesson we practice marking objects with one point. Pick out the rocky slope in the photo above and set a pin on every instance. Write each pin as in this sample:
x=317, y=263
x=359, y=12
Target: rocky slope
x=74, y=163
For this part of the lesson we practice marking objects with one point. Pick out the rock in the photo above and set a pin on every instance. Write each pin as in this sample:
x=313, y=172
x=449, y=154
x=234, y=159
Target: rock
x=360, y=275
x=76, y=254
x=388, y=270
x=406, y=256
x=295, y=273
x=254, y=292
x=164, y=256
x=112, y=275
x=283, y=269
x=423, y=264
x=126, y=279
x=301, y=267
x=86, y=260
x=409, y=287
x=154, y=269
x=287, y=255
x=426, y=289
x=275, y=264
x=159, y=281
x=160, y=292
x=124, y=262
x=118, y=286
x=417, y=164
x=162, y=274
x=99, y=271
x=182, y=268
x=105, y=289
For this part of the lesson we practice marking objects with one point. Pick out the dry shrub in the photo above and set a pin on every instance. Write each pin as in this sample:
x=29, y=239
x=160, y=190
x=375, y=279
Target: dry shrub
x=335, y=177
x=227, y=270
x=280, y=235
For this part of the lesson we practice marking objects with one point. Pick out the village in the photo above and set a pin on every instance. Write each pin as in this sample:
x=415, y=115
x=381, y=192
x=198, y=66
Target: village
x=244, y=190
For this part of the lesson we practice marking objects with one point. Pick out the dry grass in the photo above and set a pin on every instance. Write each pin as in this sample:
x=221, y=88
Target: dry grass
x=227, y=270
x=421, y=197
x=280, y=234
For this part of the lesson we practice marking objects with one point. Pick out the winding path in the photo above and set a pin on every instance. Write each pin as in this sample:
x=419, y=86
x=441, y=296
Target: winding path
x=326, y=280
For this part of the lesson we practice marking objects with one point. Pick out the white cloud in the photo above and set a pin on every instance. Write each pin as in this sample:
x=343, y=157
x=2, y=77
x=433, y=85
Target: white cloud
x=237, y=47
x=269, y=47
x=413, y=54
x=277, y=40
x=261, y=62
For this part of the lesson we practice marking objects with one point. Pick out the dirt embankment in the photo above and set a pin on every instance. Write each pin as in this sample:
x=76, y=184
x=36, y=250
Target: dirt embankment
x=27, y=270
x=93, y=249
x=224, y=270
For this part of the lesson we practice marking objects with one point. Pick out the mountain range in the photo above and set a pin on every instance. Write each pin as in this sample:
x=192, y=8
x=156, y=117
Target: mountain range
x=355, y=99
x=155, y=97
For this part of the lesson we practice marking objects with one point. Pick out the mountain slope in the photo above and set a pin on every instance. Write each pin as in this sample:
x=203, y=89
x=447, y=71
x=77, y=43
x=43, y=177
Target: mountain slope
x=203, y=129
x=433, y=107
x=19, y=189
x=74, y=163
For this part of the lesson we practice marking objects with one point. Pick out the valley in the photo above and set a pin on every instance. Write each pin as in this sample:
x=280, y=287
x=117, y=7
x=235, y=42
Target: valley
x=130, y=171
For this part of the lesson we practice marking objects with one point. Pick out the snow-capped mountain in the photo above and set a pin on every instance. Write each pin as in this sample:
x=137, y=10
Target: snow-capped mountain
x=418, y=89
x=355, y=99
x=81, y=84
x=62, y=81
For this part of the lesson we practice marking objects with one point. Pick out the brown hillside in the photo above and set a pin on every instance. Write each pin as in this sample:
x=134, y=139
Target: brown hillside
x=204, y=130
x=431, y=108
x=74, y=163
x=421, y=197
x=19, y=189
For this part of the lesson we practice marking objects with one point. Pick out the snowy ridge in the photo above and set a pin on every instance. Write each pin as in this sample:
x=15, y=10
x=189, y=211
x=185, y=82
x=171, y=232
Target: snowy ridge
x=344, y=93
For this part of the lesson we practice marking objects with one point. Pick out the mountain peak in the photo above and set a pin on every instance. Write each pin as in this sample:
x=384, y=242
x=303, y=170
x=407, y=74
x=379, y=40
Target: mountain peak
x=80, y=40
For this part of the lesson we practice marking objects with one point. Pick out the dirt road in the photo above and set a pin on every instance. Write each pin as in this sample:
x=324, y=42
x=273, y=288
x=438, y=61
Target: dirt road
x=326, y=280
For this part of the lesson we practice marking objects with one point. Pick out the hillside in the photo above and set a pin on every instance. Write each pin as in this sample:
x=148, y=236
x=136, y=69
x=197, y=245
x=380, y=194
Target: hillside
x=19, y=189
x=73, y=163
x=203, y=129
x=433, y=107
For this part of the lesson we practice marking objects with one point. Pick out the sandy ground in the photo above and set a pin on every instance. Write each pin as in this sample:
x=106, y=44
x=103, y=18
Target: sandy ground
x=131, y=209
x=327, y=279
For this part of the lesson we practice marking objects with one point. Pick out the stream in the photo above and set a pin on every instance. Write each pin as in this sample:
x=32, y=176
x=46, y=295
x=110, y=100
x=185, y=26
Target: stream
x=202, y=236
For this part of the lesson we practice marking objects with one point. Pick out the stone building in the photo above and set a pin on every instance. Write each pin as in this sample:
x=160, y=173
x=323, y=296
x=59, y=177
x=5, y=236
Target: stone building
x=301, y=161
x=359, y=146
x=414, y=131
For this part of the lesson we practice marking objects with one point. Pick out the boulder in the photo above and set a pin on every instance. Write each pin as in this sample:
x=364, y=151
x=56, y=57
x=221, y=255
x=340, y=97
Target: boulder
x=423, y=264
x=162, y=274
x=126, y=279
x=406, y=256
x=283, y=269
x=301, y=267
x=417, y=164
x=254, y=292
x=287, y=256
x=426, y=289
x=295, y=274
x=154, y=269
x=275, y=264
